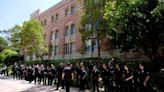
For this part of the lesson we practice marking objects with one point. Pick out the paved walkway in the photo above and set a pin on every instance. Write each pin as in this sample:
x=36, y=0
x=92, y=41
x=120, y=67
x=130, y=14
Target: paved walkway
x=7, y=84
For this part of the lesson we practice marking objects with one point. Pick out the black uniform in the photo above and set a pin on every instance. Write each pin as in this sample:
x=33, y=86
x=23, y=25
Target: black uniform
x=45, y=75
x=59, y=77
x=135, y=80
x=14, y=71
x=83, y=79
x=118, y=79
x=36, y=74
x=105, y=78
x=110, y=78
x=41, y=73
x=67, y=77
x=49, y=75
x=20, y=72
x=77, y=76
x=142, y=76
x=127, y=84
x=30, y=74
x=95, y=76
x=53, y=75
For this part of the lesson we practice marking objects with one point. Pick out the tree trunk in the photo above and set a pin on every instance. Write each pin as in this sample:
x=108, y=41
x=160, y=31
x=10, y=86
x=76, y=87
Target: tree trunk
x=99, y=52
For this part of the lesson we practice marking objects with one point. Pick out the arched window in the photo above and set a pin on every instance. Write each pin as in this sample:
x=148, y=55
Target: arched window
x=56, y=34
x=72, y=29
x=66, y=32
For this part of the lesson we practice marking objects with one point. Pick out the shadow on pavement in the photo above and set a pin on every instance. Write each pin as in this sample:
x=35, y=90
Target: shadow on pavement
x=42, y=88
x=4, y=77
x=46, y=88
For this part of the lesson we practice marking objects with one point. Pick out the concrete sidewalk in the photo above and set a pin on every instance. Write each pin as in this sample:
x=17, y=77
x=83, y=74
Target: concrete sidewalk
x=7, y=84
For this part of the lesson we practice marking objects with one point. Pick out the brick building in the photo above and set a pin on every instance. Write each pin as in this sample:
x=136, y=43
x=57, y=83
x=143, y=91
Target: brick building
x=61, y=33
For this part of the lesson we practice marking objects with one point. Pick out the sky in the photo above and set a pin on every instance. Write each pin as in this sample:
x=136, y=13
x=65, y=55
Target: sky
x=14, y=12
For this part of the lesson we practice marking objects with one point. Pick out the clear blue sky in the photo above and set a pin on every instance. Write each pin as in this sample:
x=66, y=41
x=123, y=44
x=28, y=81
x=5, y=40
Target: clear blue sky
x=17, y=11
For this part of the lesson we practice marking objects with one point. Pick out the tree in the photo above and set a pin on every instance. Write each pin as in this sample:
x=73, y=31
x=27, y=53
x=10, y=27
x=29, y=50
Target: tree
x=6, y=56
x=29, y=38
x=92, y=25
x=138, y=24
x=3, y=44
x=15, y=38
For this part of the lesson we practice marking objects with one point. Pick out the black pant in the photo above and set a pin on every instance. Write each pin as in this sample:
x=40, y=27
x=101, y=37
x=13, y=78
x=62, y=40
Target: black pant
x=95, y=85
x=3, y=72
x=30, y=78
x=127, y=86
x=67, y=83
x=50, y=79
x=142, y=88
x=82, y=84
x=60, y=82
x=45, y=79
x=36, y=77
x=118, y=85
x=105, y=82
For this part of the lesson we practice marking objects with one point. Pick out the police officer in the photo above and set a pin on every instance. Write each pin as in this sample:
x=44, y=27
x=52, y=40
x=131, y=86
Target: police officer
x=111, y=76
x=144, y=79
x=14, y=71
x=135, y=79
x=59, y=76
x=49, y=75
x=67, y=75
x=20, y=72
x=53, y=74
x=45, y=75
x=127, y=79
x=25, y=72
x=30, y=74
x=77, y=73
x=83, y=77
x=36, y=73
x=105, y=76
x=118, y=78
x=41, y=73
x=95, y=76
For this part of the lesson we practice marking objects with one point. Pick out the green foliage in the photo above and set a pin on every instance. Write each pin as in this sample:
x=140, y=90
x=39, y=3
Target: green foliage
x=29, y=38
x=15, y=37
x=137, y=24
x=3, y=44
x=72, y=61
x=7, y=56
x=92, y=23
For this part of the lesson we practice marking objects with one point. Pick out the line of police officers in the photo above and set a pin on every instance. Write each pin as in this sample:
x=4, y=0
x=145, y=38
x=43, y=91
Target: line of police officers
x=107, y=78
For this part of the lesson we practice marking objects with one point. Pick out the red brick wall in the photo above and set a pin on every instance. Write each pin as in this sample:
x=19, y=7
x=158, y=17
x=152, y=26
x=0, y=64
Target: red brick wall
x=60, y=24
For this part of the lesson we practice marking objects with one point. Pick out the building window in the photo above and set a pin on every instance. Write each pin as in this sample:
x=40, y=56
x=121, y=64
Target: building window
x=88, y=45
x=94, y=44
x=66, y=32
x=55, y=50
x=66, y=12
x=72, y=10
x=56, y=17
x=51, y=36
x=45, y=22
x=72, y=47
x=56, y=34
x=67, y=48
x=52, y=19
x=72, y=30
